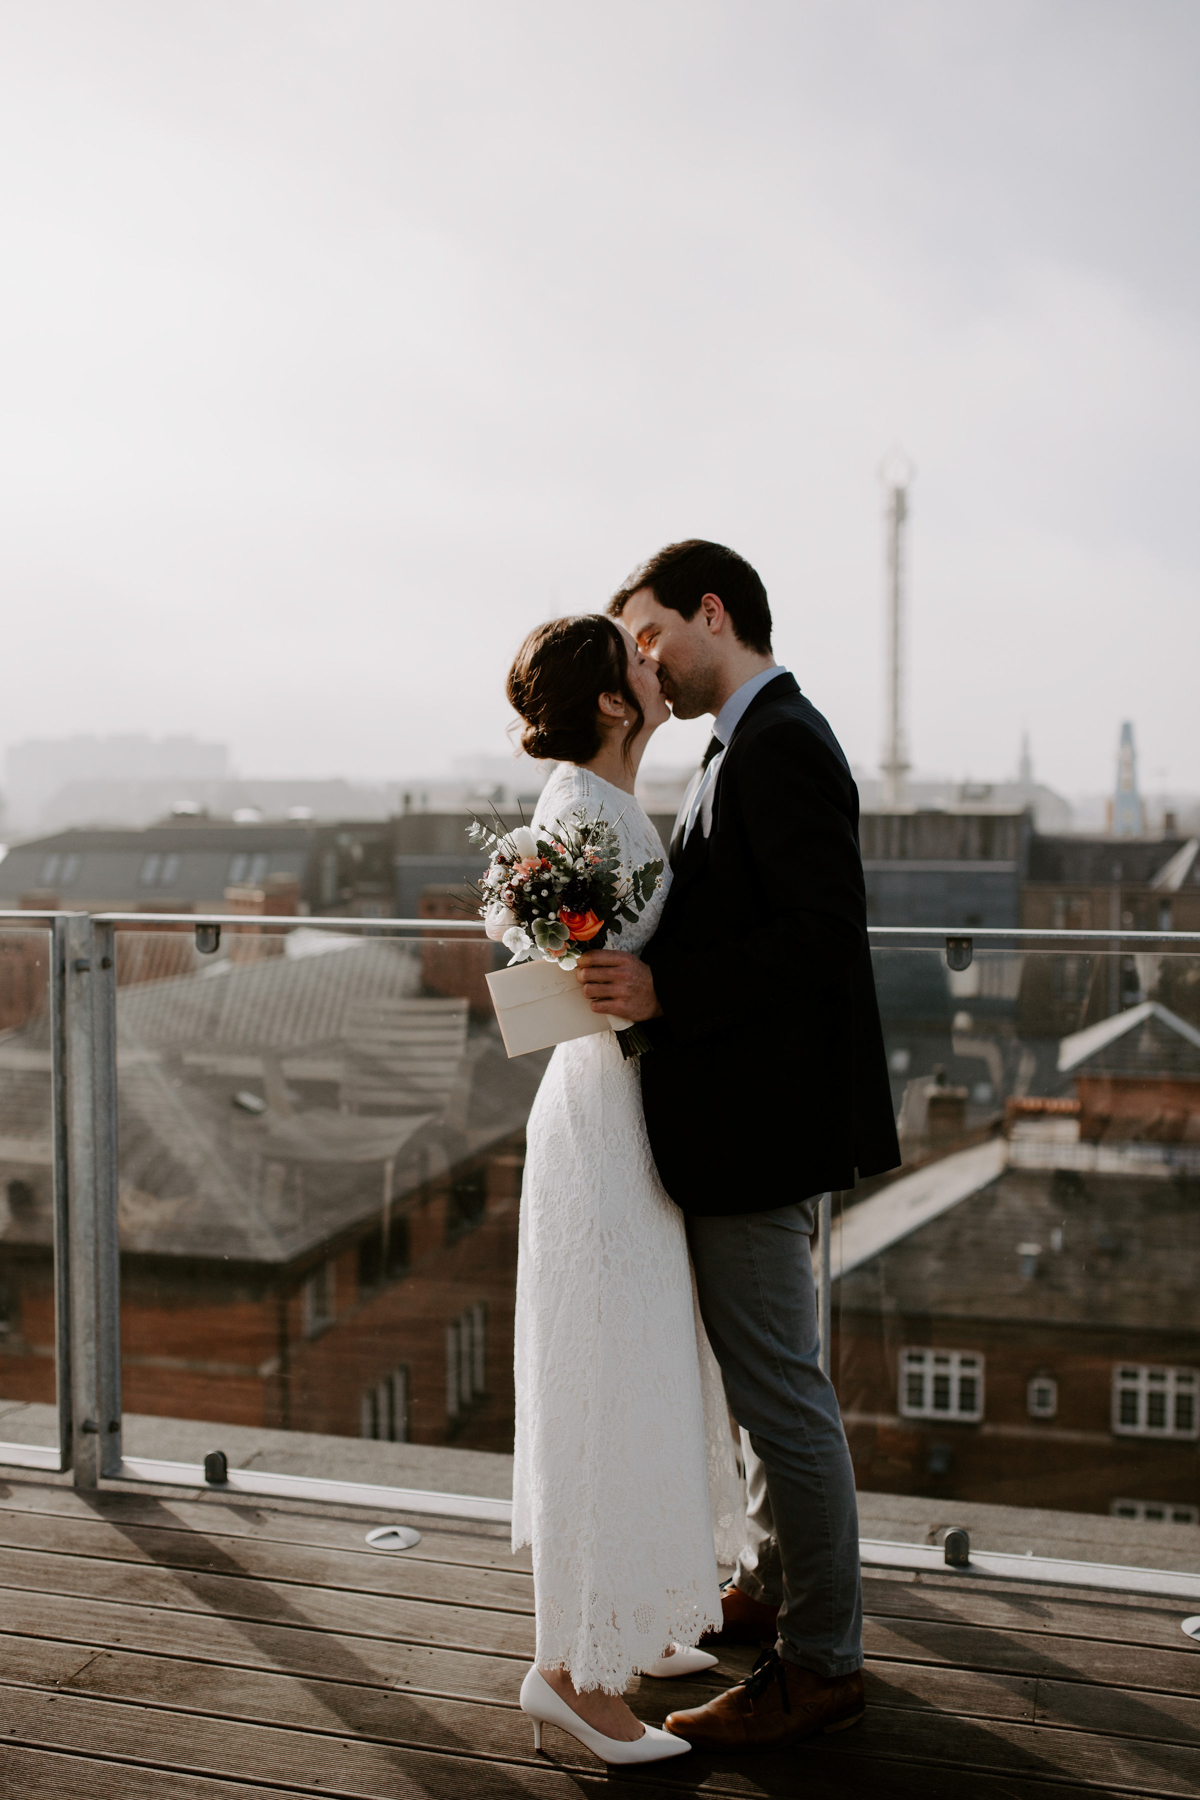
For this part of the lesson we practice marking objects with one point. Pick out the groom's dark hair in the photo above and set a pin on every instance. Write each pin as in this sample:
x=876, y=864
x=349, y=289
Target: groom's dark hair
x=681, y=575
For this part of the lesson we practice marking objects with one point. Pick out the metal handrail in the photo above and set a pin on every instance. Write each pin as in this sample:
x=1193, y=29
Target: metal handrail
x=1150, y=940
x=880, y=935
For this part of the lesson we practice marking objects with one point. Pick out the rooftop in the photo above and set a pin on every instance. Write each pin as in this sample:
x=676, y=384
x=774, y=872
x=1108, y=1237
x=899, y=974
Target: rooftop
x=184, y=1648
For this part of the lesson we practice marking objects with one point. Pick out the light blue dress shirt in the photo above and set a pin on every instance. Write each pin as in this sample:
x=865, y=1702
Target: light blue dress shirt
x=698, y=800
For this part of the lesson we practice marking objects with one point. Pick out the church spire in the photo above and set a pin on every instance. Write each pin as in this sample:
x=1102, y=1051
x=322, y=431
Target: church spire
x=1127, y=819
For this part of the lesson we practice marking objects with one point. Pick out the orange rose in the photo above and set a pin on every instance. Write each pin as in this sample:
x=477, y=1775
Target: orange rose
x=582, y=926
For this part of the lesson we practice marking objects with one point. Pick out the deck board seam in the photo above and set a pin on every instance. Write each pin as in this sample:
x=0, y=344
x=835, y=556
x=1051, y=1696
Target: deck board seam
x=1079, y=1785
x=325, y=1587
x=306, y=1583
x=235, y=1618
x=877, y=1707
x=874, y=1660
x=339, y=1733
x=238, y=1537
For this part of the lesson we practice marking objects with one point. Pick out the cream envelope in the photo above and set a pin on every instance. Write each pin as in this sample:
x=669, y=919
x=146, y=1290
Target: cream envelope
x=539, y=1004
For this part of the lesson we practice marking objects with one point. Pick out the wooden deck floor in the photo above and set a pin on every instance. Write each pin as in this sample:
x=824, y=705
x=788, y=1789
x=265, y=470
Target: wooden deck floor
x=193, y=1648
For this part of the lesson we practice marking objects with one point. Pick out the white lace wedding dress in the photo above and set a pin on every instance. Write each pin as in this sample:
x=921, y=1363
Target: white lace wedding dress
x=625, y=1479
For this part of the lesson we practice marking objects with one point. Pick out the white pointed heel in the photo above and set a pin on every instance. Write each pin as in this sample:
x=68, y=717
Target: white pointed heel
x=684, y=1661
x=542, y=1704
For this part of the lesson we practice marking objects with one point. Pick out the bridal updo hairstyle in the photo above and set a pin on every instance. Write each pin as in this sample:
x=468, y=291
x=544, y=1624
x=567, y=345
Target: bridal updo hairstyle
x=680, y=576
x=556, y=682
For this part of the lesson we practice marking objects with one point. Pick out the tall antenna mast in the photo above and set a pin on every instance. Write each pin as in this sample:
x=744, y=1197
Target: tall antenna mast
x=897, y=473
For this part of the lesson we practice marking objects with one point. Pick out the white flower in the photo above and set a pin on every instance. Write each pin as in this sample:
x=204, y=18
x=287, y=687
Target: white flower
x=497, y=920
x=519, y=942
x=569, y=960
x=523, y=842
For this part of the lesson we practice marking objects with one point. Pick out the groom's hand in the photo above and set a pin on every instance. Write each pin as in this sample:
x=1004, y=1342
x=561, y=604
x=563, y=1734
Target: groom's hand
x=616, y=982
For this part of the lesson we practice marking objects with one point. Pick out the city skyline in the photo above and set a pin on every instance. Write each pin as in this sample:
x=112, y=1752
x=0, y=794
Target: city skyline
x=358, y=339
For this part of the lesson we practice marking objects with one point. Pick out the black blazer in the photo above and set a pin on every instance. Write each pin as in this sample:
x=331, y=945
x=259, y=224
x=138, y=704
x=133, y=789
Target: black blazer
x=767, y=1081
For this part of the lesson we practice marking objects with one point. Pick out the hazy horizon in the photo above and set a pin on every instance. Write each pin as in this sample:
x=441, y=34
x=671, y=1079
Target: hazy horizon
x=348, y=339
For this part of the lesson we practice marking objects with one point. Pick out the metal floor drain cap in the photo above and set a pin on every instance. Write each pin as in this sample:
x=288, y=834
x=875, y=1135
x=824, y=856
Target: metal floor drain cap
x=393, y=1537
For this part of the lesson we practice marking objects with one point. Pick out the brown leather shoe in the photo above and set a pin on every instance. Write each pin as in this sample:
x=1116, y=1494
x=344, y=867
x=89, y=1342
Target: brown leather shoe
x=747, y=1621
x=780, y=1704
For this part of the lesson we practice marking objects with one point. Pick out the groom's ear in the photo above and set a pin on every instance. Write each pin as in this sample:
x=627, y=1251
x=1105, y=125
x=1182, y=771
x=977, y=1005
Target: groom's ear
x=712, y=607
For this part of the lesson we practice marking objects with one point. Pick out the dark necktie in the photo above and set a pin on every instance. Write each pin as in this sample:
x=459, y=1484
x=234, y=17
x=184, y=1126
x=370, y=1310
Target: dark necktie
x=713, y=748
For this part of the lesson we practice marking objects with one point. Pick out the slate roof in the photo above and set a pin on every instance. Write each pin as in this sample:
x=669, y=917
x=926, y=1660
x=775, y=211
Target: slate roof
x=358, y=1069
x=108, y=865
x=1099, y=862
x=1130, y=1256
x=1147, y=1040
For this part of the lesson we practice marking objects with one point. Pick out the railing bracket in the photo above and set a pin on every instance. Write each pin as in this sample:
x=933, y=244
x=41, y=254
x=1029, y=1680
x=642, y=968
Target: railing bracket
x=956, y=1547
x=208, y=939
x=959, y=953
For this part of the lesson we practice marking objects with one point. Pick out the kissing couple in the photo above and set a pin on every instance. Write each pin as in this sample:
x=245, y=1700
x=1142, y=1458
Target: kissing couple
x=665, y=1275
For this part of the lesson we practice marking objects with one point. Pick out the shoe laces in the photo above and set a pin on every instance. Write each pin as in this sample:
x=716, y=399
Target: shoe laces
x=768, y=1668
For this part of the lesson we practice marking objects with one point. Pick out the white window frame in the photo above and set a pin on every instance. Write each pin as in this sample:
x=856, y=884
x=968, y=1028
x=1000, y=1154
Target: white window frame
x=1138, y=1387
x=383, y=1409
x=933, y=1367
x=1049, y=1411
x=320, y=1299
x=466, y=1359
x=1155, y=1512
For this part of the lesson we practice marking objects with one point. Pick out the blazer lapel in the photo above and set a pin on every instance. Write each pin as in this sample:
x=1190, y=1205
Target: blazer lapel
x=693, y=855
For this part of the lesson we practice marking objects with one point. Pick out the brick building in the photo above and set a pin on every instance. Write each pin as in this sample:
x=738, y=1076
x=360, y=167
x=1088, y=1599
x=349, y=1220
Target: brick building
x=1034, y=1340
x=319, y=1169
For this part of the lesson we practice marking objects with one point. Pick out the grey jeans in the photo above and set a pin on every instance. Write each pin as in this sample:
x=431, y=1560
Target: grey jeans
x=759, y=1305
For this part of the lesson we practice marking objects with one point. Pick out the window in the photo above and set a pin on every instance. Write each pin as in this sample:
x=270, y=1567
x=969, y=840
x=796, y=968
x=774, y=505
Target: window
x=466, y=1359
x=249, y=867
x=319, y=1294
x=384, y=1409
x=150, y=868
x=70, y=869
x=1155, y=1512
x=329, y=878
x=941, y=1384
x=1043, y=1397
x=170, y=870
x=466, y=1204
x=1152, y=1402
x=238, y=867
x=374, y=1268
x=49, y=869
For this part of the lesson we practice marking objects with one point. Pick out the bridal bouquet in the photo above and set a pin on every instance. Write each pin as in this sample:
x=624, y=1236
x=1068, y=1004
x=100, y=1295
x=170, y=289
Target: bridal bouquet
x=552, y=894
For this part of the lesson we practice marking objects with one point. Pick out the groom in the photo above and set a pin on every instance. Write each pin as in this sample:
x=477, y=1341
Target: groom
x=766, y=1087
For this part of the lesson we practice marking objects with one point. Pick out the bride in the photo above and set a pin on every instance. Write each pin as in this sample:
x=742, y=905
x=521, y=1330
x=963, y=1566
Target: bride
x=625, y=1482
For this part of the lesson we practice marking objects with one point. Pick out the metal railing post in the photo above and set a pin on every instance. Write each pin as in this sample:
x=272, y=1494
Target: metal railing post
x=825, y=1280
x=108, y=1250
x=62, y=1215
x=90, y=1129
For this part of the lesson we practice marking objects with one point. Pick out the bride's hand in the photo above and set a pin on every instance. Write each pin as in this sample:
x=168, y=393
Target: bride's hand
x=616, y=982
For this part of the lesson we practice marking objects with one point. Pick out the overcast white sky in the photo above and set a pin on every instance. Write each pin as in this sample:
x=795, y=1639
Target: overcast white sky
x=343, y=340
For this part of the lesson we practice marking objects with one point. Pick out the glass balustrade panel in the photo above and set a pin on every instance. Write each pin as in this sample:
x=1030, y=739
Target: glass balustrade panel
x=1017, y=1340
x=28, y=1405
x=321, y=1147
x=321, y=1150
